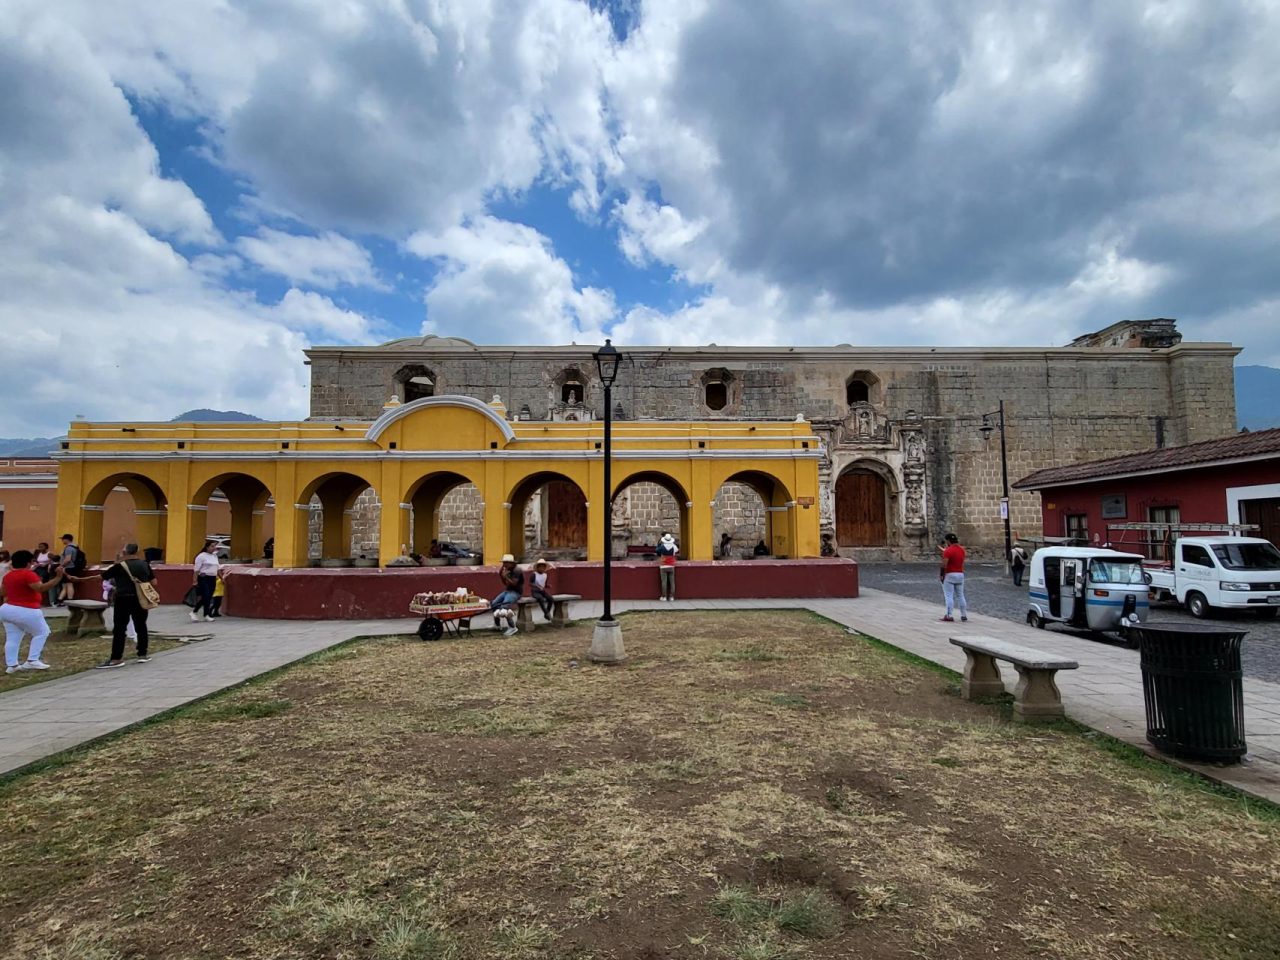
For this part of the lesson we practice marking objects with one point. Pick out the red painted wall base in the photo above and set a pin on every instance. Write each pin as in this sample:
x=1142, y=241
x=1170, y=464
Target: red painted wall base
x=350, y=594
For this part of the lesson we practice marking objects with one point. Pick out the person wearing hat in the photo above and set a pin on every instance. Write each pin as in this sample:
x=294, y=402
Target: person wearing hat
x=667, y=552
x=503, y=606
x=538, y=586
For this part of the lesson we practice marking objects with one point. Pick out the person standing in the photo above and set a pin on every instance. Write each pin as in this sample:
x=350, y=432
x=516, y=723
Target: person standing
x=951, y=574
x=726, y=545
x=503, y=605
x=20, y=591
x=668, y=550
x=74, y=564
x=125, y=575
x=1019, y=563
x=539, y=586
x=204, y=576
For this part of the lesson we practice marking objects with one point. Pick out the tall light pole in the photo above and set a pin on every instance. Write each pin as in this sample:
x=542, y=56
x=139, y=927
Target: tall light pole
x=606, y=640
x=986, y=429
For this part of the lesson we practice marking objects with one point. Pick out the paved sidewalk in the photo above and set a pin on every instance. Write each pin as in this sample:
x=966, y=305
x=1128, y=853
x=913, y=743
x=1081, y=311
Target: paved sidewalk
x=1105, y=693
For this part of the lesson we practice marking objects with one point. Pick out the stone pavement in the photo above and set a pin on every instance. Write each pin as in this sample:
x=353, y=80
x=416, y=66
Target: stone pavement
x=1105, y=693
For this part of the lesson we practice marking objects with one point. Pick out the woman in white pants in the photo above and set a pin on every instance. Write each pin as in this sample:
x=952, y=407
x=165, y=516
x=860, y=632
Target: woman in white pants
x=20, y=613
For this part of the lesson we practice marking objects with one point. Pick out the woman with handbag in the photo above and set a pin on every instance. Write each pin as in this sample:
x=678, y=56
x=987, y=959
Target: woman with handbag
x=135, y=594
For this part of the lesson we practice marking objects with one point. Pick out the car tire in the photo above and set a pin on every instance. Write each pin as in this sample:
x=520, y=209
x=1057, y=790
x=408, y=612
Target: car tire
x=1198, y=605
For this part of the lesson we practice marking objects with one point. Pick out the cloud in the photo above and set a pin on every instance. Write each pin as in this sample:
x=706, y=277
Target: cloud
x=318, y=314
x=327, y=261
x=500, y=282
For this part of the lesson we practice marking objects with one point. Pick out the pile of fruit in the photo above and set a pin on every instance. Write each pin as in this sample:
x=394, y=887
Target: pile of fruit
x=461, y=597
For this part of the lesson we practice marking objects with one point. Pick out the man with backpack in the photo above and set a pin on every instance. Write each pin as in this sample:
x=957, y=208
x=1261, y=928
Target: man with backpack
x=74, y=565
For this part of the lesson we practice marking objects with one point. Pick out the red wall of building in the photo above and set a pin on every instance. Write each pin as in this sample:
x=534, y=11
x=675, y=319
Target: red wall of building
x=1200, y=496
x=352, y=594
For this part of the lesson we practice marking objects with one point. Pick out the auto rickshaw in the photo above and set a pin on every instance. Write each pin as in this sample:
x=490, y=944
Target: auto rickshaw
x=1088, y=588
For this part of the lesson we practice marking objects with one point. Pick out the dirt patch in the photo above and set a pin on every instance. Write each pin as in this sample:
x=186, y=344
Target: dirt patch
x=745, y=786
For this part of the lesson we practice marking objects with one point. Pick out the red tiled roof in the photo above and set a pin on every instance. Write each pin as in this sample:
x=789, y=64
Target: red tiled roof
x=1260, y=443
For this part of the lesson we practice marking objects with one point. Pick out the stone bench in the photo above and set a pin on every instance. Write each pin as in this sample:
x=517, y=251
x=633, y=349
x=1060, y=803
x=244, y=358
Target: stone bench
x=85, y=615
x=559, y=610
x=1036, y=696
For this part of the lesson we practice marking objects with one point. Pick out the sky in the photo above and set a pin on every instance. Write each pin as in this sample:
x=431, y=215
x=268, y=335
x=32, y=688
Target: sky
x=192, y=193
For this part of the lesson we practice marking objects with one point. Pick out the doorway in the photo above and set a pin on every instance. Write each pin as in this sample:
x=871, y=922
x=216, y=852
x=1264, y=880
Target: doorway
x=861, y=510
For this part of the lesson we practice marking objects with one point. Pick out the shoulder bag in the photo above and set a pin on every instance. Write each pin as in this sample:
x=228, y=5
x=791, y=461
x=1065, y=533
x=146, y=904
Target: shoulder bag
x=148, y=595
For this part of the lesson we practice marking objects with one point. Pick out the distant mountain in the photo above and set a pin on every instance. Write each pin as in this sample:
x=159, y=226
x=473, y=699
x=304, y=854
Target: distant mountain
x=214, y=416
x=1256, y=391
x=28, y=448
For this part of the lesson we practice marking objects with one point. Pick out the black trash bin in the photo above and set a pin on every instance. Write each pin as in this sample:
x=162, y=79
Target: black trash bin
x=1191, y=681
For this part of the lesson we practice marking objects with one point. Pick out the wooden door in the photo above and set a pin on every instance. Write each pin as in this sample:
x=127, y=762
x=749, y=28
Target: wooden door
x=1266, y=514
x=860, y=510
x=566, y=515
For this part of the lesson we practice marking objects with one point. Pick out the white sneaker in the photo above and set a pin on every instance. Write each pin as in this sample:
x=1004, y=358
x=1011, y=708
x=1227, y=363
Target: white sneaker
x=510, y=631
x=195, y=617
x=14, y=669
x=208, y=619
x=35, y=665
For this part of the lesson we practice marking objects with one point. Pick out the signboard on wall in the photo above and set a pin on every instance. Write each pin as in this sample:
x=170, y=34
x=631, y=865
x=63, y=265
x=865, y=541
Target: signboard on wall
x=1114, y=507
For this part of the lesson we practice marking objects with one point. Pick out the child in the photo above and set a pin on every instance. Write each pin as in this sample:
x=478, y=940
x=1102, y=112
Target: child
x=219, y=591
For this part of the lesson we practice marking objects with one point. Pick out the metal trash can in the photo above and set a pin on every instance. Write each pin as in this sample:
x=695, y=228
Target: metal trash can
x=1191, y=682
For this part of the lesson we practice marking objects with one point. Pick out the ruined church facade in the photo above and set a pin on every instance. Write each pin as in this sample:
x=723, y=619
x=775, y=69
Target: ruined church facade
x=905, y=455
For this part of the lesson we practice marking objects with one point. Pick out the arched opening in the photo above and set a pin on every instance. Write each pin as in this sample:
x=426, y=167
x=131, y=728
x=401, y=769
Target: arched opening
x=237, y=507
x=337, y=529
x=645, y=506
x=740, y=512
x=413, y=382
x=719, y=390
x=571, y=387
x=446, y=507
x=862, y=386
x=123, y=508
x=549, y=517
x=777, y=529
x=862, y=509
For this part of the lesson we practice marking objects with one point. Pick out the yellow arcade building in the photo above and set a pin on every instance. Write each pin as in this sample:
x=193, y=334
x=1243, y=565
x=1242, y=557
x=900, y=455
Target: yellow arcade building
x=412, y=456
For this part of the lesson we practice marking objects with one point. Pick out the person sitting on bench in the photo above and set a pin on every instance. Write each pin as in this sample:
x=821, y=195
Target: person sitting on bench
x=503, y=605
x=539, y=586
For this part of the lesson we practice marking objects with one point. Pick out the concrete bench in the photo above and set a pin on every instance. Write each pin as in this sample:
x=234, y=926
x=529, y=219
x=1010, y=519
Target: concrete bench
x=559, y=610
x=1036, y=696
x=85, y=615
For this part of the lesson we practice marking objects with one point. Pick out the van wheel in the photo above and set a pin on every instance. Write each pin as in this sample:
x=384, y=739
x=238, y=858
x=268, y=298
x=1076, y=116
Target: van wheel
x=1035, y=620
x=1198, y=605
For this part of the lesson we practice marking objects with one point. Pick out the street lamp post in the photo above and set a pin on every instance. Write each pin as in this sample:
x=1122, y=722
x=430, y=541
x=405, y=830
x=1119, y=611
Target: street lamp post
x=986, y=428
x=606, y=640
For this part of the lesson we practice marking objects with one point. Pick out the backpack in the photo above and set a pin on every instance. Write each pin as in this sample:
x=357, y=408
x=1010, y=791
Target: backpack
x=80, y=563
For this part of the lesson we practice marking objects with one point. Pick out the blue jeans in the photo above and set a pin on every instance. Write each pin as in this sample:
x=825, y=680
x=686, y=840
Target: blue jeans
x=953, y=592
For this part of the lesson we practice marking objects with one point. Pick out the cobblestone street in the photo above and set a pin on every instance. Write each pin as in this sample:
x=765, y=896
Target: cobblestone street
x=990, y=592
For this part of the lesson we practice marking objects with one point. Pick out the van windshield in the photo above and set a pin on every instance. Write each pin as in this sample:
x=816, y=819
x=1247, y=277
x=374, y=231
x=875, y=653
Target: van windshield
x=1247, y=556
x=1116, y=571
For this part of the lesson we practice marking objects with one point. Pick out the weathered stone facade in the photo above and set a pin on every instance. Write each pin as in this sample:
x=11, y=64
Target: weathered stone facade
x=905, y=421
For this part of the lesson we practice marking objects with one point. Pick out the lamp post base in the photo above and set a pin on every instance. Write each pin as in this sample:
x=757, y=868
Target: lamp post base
x=606, y=643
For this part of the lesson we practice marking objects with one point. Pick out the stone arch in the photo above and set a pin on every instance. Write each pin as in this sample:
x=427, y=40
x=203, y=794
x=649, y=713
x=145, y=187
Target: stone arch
x=329, y=501
x=654, y=514
x=107, y=522
x=571, y=387
x=779, y=507
x=865, y=491
x=863, y=386
x=427, y=497
x=415, y=381
x=563, y=512
x=235, y=503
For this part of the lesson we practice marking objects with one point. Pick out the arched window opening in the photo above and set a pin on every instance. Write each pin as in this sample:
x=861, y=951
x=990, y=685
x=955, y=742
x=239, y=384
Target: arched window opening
x=414, y=382
x=863, y=386
x=572, y=391
x=858, y=392
x=717, y=395
x=719, y=390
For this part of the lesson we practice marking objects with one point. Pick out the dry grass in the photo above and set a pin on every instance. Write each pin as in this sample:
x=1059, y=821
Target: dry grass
x=66, y=655
x=747, y=785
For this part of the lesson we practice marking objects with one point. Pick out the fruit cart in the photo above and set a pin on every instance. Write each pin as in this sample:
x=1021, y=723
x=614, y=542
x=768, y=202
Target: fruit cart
x=450, y=612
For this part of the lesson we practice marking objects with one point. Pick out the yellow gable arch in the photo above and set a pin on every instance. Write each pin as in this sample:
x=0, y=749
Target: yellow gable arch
x=450, y=423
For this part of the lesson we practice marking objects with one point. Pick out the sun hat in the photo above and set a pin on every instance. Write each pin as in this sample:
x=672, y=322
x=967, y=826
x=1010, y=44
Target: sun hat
x=540, y=562
x=668, y=538
x=508, y=558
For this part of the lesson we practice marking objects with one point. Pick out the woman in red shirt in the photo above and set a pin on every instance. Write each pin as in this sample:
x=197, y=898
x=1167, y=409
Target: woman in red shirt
x=952, y=576
x=20, y=612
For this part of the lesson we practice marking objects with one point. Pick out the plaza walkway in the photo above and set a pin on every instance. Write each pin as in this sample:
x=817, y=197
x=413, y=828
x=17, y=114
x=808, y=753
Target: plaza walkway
x=1105, y=693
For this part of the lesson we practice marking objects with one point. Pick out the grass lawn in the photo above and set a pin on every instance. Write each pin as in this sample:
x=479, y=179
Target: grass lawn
x=747, y=785
x=72, y=654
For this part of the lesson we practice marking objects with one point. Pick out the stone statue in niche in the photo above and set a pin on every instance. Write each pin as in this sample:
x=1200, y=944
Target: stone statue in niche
x=915, y=447
x=864, y=426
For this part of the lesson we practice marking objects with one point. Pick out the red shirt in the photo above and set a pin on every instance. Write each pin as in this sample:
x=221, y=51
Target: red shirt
x=953, y=559
x=17, y=588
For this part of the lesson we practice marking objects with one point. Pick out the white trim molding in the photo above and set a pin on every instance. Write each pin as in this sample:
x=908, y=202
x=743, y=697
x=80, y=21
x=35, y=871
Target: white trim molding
x=198, y=506
x=96, y=507
x=1237, y=495
x=466, y=403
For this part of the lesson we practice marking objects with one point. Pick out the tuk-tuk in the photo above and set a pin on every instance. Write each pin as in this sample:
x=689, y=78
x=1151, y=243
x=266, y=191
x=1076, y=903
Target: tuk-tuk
x=1089, y=588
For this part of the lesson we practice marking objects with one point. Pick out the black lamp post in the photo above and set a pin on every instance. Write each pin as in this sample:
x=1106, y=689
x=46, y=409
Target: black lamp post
x=606, y=642
x=986, y=429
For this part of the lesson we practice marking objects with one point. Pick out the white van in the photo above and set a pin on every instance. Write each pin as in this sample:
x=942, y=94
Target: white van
x=1229, y=573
